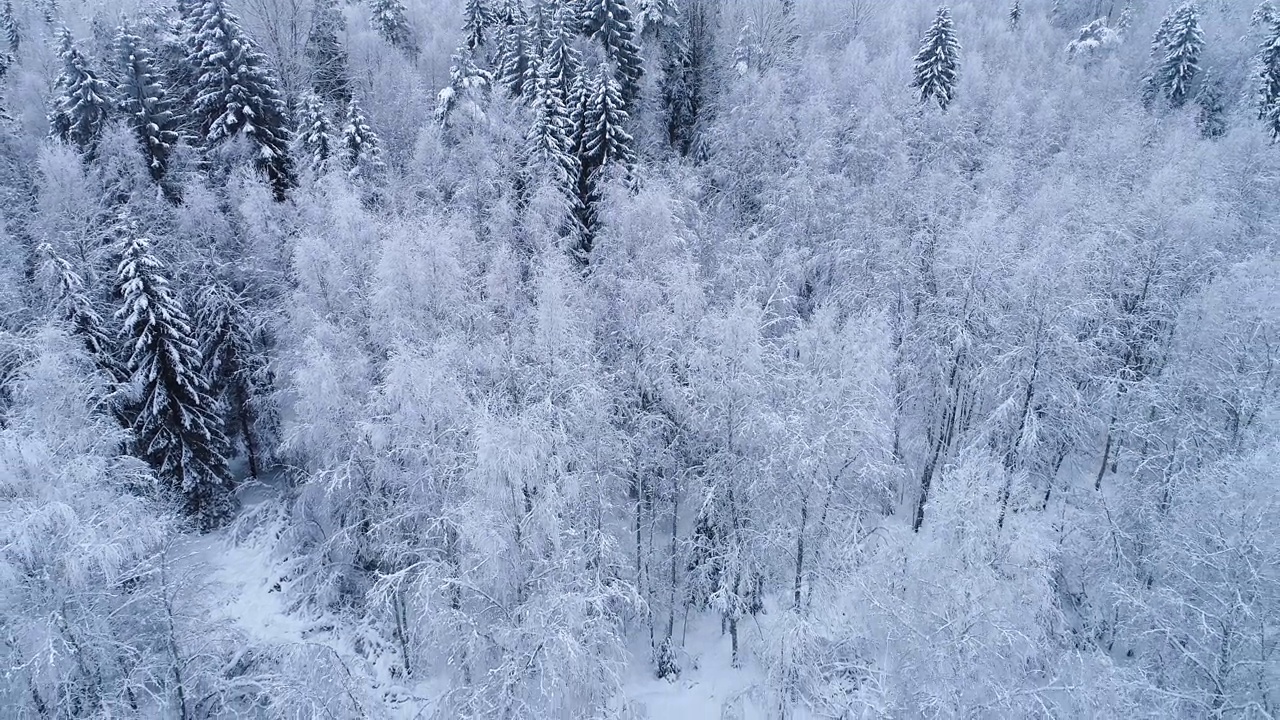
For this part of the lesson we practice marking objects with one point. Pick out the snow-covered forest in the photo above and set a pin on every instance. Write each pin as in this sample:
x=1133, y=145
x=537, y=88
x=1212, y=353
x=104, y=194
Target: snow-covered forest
x=670, y=359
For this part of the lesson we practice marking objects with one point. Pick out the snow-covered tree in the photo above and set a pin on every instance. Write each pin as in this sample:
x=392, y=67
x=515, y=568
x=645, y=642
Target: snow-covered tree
x=175, y=429
x=468, y=83
x=1269, y=80
x=236, y=94
x=656, y=17
x=476, y=22
x=82, y=100
x=145, y=103
x=610, y=23
x=391, y=21
x=1211, y=103
x=516, y=60
x=316, y=137
x=550, y=144
x=687, y=66
x=235, y=364
x=937, y=64
x=598, y=120
x=78, y=528
x=361, y=148
x=1126, y=18
x=326, y=55
x=9, y=25
x=1176, y=52
x=605, y=139
x=561, y=63
x=1094, y=39
x=79, y=311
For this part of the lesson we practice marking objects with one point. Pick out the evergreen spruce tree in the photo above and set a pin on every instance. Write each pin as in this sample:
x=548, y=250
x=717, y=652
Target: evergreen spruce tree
x=1265, y=15
x=550, y=144
x=680, y=96
x=1159, y=51
x=1176, y=50
x=49, y=11
x=604, y=136
x=1126, y=18
x=1015, y=15
x=145, y=103
x=315, y=137
x=327, y=57
x=82, y=100
x=175, y=428
x=475, y=24
x=77, y=309
x=610, y=23
x=362, y=151
x=937, y=65
x=1269, y=80
x=598, y=120
x=236, y=93
x=1211, y=117
x=515, y=65
x=748, y=50
x=6, y=61
x=179, y=47
x=655, y=18
x=541, y=16
x=9, y=24
x=391, y=21
x=561, y=63
x=466, y=78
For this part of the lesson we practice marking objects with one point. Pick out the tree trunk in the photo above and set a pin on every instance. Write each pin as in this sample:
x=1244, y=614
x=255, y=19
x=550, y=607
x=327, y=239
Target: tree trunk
x=175, y=656
x=804, y=517
x=675, y=560
x=250, y=444
x=1106, y=452
x=951, y=412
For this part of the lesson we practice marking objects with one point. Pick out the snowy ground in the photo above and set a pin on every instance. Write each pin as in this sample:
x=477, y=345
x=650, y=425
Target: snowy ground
x=238, y=576
x=709, y=687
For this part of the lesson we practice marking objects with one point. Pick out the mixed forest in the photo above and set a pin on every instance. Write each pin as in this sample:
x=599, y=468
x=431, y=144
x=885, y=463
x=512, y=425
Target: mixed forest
x=915, y=361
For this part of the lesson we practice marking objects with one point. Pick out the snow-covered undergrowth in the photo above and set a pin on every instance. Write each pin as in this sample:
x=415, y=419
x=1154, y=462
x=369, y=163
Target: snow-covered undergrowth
x=236, y=582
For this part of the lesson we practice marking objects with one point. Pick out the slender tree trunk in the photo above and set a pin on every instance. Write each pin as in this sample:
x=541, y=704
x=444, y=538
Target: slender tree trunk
x=820, y=538
x=250, y=443
x=639, y=524
x=733, y=623
x=1053, y=476
x=804, y=517
x=675, y=559
x=1106, y=452
x=951, y=413
x=455, y=591
x=1012, y=458
x=175, y=656
x=402, y=631
x=247, y=431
